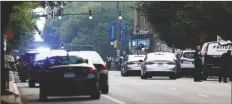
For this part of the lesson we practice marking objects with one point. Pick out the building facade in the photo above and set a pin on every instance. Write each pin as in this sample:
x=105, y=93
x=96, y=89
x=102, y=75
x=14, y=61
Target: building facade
x=143, y=33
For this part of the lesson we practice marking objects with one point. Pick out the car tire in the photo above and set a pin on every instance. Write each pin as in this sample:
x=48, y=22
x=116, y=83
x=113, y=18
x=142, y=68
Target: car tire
x=149, y=76
x=23, y=79
x=123, y=74
x=173, y=76
x=31, y=83
x=105, y=89
x=42, y=94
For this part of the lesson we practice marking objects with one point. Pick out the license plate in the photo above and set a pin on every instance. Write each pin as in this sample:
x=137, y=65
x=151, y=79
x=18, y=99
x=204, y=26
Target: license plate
x=160, y=64
x=186, y=62
x=69, y=75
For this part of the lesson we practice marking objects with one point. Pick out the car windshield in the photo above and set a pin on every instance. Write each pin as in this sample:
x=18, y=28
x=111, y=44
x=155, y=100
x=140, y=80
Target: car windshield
x=65, y=60
x=188, y=55
x=136, y=58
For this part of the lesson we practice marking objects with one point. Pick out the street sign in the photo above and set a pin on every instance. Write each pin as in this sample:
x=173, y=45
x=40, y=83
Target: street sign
x=145, y=42
x=112, y=34
x=123, y=31
x=34, y=15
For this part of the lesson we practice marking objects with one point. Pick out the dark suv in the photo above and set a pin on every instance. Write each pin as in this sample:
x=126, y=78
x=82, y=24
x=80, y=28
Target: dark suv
x=36, y=67
x=25, y=62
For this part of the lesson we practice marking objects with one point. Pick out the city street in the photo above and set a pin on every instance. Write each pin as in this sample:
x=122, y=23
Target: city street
x=133, y=90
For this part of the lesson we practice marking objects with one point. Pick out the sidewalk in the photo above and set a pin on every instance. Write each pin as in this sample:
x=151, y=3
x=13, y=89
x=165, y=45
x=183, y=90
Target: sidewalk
x=13, y=97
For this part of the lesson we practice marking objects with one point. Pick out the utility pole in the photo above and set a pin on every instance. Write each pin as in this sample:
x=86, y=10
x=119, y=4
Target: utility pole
x=117, y=30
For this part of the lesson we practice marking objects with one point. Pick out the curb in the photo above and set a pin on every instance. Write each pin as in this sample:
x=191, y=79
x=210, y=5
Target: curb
x=15, y=97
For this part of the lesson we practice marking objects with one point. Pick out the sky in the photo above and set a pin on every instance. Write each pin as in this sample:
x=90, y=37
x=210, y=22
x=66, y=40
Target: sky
x=40, y=23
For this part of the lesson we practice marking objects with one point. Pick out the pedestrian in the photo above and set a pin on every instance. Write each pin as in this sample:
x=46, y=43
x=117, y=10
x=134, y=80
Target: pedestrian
x=121, y=60
x=225, y=65
x=108, y=63
x=197, y=64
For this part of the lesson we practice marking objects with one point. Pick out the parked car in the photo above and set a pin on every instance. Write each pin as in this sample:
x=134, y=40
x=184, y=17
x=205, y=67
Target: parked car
x=37, y=66
x=187, y=62
x=131, y=64
x=69, y=75
x=99, y=64
x=160, y=64
x=25, y=62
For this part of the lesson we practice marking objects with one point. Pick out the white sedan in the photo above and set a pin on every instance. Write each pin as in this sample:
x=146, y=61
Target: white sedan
x=159, y=64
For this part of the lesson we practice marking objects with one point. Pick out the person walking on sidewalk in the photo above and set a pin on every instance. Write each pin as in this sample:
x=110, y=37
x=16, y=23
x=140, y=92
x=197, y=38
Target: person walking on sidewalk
x=225, y=65
x=198, y=65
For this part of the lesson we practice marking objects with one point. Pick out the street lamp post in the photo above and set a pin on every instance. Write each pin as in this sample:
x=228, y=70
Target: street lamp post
x=137, y=40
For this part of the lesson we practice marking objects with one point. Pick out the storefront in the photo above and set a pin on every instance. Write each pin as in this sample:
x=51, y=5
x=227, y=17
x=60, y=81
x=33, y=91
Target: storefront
x=143, y=37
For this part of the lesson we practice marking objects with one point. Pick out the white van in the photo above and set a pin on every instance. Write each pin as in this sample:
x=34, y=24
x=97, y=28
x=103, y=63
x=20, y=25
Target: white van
x=211, y=56
x=186, y=58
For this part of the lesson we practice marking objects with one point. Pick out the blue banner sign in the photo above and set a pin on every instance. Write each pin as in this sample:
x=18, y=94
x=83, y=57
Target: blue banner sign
x=112, y=34
x=123, y=31
x=145, y=42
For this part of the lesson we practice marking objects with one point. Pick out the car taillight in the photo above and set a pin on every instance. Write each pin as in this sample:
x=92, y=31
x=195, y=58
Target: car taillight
x=92, y=70
x=46, y=70
x=103, y=67
x=129, y=63
x=206, y=51
x=148, y=63
x=22, y=62
x=171, y=63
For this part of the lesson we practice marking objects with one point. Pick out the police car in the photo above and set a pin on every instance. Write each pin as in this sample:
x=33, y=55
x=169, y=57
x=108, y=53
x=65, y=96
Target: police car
x=212, y=52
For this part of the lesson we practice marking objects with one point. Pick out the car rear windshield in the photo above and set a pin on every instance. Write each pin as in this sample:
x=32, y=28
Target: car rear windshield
x=65, y=60
x=188, y=55
x=160, y=57
x=135, y=58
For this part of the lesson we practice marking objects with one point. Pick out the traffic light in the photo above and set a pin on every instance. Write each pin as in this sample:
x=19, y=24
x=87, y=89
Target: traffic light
x=115, y=44
x=90, y=14
x=120, y=14
x=60, y=13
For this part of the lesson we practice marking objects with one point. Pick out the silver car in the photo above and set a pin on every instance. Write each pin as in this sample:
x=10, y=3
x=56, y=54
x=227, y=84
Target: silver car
x=159, y=64
x=131, y=64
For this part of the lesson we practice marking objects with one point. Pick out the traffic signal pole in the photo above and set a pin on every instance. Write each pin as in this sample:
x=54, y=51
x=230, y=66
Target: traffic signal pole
x=117, y=31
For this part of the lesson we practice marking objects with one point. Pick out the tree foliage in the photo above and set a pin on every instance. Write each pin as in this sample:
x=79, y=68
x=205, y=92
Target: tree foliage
x=182, y=24
x=80, y=30
x=22, y=23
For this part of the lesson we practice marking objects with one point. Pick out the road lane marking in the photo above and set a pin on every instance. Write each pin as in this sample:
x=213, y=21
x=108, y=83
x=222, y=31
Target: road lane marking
x=171, y=88
x=113, y=99
x=202, y=95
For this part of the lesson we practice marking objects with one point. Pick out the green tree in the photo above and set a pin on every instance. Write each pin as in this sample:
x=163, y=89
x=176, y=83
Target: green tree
x=22, y=24
x=80, y=30
x=182, y=24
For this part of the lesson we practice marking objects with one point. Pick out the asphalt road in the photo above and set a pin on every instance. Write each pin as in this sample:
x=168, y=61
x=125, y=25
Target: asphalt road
x=133, y=90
